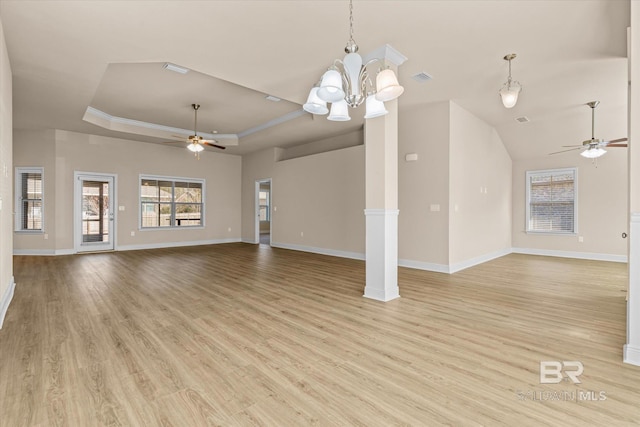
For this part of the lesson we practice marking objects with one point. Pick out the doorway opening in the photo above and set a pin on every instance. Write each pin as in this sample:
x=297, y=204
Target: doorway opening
x=94, y=215
x=263, y=225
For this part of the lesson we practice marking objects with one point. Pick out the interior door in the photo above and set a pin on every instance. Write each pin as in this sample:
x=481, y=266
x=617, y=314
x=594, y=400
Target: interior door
x=95, y=220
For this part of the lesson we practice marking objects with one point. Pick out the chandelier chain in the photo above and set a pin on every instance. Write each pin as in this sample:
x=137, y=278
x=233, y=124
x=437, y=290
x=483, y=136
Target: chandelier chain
x=351, y=21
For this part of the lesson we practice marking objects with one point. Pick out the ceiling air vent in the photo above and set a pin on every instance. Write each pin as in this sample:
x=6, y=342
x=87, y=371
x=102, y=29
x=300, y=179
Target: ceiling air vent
x=421, y=77
x=523, y=119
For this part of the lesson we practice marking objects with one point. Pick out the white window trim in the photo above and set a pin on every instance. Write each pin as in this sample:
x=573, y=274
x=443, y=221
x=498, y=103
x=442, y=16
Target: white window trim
x=173, y=179
x=575, y=201
x=18, y=214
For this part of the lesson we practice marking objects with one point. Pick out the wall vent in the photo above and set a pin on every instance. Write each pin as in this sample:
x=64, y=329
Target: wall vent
x=523, y=119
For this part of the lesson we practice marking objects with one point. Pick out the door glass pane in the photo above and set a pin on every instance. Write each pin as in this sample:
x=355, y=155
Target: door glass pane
x=95, y=211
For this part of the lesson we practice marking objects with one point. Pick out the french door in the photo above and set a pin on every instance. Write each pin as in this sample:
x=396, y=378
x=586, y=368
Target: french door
x=94, y=213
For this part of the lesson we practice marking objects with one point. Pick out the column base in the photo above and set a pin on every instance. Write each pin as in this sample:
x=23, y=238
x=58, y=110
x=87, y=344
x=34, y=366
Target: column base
x=382, y=254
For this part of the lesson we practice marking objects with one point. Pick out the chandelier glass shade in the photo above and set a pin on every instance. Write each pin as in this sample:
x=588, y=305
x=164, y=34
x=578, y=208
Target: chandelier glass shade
x=375, y=107
x=339, y=111
x=511, y=89
x=347, y=84
x=314, y=104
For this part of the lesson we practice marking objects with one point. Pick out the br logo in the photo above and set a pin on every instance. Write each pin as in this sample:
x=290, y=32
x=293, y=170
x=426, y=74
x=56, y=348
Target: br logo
x=553, y=371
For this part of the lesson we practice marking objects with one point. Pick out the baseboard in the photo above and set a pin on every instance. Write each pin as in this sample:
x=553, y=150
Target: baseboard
x=35, y=252
x=569, y=254
x=6, y=300
x=51, y=252
x=631, y=354
x=176, y=244
x=250, y=241
x=321, y=251
x=459, y=266
x=427, y=266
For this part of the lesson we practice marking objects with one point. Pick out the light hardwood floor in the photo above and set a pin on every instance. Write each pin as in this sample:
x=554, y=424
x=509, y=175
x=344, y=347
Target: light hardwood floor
x=241, y=334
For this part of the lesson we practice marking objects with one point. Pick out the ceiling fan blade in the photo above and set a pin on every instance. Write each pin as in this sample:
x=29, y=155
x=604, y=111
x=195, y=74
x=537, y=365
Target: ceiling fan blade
x=213, y=145
x=573, y=145
x=613, y=141
x=564, y=151
x=617, y=145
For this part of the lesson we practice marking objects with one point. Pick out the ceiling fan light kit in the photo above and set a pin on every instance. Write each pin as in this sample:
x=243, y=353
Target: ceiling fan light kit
x=592, y=148
x=196, y=143
x=347, y=84
x=195, y=147
x=511, y=89
x=593, y=153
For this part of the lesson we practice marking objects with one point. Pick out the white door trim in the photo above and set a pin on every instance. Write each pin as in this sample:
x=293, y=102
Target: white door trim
x=256, y=203
x=78, y=177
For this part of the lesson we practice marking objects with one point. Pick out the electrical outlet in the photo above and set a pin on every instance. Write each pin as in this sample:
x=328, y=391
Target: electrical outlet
x=229, y=230
x=302, y=234
x=133, y=233
x=580, y=239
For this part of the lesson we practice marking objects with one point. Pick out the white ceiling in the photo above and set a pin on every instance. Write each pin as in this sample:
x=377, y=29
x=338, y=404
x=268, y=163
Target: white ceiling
x=70, y=55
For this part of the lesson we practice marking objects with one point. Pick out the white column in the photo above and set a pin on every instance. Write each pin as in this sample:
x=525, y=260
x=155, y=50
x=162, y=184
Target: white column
x=381, y=182
x=632, y=347
x=382, y=254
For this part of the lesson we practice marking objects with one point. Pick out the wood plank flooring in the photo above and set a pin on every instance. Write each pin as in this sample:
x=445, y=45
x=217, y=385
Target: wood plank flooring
x=241, y=334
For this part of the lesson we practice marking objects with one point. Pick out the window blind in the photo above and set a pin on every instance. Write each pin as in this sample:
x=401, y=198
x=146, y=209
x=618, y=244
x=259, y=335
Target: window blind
x=29, y=203
x=551, y=201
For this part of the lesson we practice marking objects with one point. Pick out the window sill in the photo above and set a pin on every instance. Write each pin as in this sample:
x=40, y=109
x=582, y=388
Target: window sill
x=552, y=233
x=184, y=227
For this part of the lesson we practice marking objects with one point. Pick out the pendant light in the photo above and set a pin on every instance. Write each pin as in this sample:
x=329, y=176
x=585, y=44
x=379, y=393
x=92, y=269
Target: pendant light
x=511, y=89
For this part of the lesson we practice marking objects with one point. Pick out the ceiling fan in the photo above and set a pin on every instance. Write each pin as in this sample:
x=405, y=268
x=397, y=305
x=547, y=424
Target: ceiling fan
x=196, y=143
x=592, y=148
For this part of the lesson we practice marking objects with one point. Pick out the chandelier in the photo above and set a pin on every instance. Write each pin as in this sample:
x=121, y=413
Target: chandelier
x=347, y=84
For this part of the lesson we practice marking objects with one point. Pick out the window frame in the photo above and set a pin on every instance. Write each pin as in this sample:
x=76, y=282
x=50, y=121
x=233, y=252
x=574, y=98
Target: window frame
x=528, y=175
x=19, y=214
x=173, y=203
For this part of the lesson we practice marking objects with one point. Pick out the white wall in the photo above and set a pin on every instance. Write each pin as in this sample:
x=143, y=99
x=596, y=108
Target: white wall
x=317, y=200
x=6, y=180
x=479, y=191
x=61, y=153
x=423, y=235
x=602, y=207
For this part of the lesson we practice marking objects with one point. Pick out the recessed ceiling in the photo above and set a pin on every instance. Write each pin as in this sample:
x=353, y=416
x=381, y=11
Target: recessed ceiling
x=69, y=55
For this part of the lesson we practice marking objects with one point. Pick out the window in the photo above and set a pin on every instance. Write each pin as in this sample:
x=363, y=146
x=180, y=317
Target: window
x=551, y=201
x=29, y=199
x=171, y=202
x=263, y=197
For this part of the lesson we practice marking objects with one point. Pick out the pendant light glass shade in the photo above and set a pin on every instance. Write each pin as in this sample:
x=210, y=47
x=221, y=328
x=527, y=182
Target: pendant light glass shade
x=509, y=94
x=593, y=153
x=196, y=148
x=314, y=104
x=511, y=89
x=387, y=86
x=331, y=87
x=339, y=112
x=374, y=108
